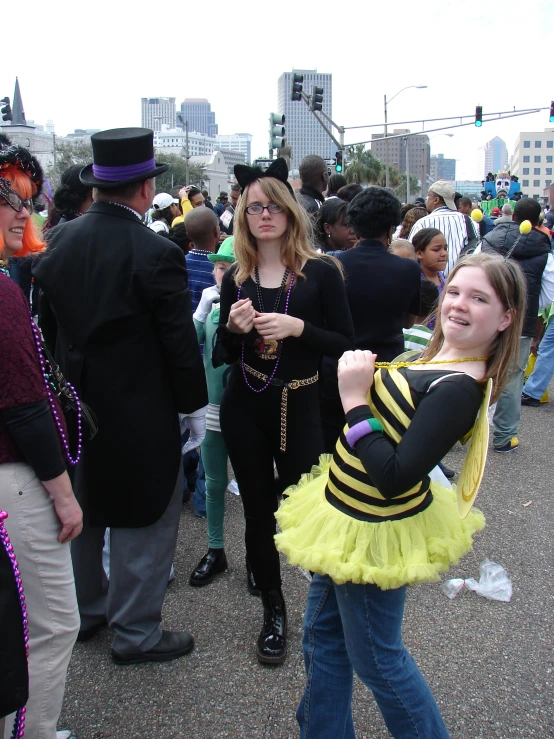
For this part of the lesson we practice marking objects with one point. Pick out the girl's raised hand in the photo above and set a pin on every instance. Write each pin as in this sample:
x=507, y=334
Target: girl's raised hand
x=355, y=375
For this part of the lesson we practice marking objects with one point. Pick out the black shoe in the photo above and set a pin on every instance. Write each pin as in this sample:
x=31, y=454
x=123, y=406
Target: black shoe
x=250, y=582
x=86, y=634
x=209, y=566
x=172, y=645
x=272, y=642
x=528, y=400
x=446, y=471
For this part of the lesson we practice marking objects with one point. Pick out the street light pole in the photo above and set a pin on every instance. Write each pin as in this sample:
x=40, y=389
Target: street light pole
x=407, y=170
x=386, y=147
x=417, y=87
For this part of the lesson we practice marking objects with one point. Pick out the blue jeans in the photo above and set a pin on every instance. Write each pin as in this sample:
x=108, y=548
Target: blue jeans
x=508, y=408
x=199, y=497
x=359, y=627
x=537, y=383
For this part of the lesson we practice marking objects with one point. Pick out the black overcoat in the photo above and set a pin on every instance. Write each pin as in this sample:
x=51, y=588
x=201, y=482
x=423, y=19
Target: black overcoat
x=116, y=310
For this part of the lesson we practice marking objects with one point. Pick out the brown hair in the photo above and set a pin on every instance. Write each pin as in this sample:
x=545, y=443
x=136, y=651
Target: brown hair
x=297, y=242
x=413, y=215
x=508, y=283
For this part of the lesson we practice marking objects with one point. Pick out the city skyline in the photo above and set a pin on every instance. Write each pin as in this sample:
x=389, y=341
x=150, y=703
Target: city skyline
x=108, y=94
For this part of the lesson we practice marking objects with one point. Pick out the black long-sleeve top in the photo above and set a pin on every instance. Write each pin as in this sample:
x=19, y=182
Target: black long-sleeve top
x=445, y=412
x=319, y=300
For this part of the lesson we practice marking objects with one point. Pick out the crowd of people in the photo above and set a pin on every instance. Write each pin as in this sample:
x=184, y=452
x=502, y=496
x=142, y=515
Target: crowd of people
x=269, y=329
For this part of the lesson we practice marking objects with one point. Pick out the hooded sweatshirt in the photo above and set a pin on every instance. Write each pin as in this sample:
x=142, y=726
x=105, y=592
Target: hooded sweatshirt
x=531, y=253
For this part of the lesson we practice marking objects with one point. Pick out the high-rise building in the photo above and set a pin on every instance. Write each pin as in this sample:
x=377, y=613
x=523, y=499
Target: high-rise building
x=533, y=162
x=174, y=141
x=442, y=169
x=157, y=112
x=198, y=113
x=241, y=142
x=493, y=157
x=302, y=131
x=415, y=150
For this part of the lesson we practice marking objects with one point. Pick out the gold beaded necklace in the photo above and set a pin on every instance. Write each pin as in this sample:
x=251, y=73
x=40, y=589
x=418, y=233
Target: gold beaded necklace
x=395, y=365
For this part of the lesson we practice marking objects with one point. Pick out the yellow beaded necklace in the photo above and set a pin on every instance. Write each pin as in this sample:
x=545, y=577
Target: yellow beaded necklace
x=395, y=365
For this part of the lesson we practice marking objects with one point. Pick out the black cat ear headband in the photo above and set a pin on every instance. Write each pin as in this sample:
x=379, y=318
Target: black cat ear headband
x=278, y=170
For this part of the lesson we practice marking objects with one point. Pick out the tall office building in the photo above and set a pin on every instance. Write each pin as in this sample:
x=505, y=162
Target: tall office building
x=198, y=113
x=302, y=131
x=241, y=142
x=157, y=112
x=533, y=162
x=413, y=150
x=442, y=169
x=493, y=157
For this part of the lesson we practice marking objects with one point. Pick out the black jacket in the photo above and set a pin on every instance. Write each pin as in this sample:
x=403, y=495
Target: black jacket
x=310, y=199
x=117, y=311
x=531, y=253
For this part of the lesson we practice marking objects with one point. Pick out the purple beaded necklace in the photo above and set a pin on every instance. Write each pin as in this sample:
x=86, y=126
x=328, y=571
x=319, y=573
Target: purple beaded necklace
x=272, y=375
x=19, y=723
x=48, y=385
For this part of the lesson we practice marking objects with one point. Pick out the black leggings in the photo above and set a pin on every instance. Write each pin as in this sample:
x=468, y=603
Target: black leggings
x=250, y=423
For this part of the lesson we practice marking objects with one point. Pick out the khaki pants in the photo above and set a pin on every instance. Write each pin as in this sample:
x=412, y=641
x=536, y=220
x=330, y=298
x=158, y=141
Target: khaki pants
x=47, y=575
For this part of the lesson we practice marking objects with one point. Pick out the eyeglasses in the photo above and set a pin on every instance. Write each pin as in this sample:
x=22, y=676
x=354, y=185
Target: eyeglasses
x=257, y=210
x=15, y=201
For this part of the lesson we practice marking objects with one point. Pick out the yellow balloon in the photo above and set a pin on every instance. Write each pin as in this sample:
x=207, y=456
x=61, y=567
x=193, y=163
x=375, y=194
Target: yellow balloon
x=477, y=215
x=525, y=227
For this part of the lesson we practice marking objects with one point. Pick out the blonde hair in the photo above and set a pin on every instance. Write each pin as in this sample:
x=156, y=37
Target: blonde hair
x=297, y=244
x=508, y=282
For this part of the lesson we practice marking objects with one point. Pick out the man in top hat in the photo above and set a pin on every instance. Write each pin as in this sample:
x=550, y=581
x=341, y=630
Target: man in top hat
x=116, y=310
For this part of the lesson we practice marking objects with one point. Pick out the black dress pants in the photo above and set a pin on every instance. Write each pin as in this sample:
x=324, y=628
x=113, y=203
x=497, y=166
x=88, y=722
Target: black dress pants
x=251, y=427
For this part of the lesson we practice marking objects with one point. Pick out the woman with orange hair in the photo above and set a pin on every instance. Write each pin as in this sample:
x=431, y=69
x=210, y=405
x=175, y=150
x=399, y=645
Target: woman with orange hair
x=35, y=491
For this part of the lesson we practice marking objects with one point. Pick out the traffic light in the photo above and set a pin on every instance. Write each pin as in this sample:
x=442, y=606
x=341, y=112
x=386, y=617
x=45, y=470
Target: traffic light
x=552, y=112
x=296, y=92
x=338, y=165
x=276, y=130
x=479, y=116
x=316, y=102
x=7, y=109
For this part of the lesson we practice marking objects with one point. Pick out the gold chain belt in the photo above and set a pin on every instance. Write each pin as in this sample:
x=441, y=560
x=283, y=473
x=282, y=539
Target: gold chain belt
x=286, y=386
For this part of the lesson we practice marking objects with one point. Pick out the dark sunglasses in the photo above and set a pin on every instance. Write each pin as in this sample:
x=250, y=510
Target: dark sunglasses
x=15, y=201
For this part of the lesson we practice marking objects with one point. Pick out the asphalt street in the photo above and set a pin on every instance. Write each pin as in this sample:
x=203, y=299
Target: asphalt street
x=489, y=664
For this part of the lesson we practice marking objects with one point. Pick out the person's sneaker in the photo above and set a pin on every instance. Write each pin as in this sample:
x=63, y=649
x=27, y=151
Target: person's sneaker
x=528, y=400
x=509, y=446
x=66, y=734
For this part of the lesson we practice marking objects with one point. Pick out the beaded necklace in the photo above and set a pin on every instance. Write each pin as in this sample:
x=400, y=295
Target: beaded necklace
x=279, y=294
x=19, y=723
x=3, y=268
x=49, y=385
x=395, y=365
x=272, y=375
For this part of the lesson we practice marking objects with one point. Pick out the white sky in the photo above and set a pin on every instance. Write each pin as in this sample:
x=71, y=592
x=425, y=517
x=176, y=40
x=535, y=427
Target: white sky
x=89, y=65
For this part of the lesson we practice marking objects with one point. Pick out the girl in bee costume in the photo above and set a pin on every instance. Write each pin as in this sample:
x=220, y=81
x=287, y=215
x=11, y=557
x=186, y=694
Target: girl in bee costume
x=368, y=521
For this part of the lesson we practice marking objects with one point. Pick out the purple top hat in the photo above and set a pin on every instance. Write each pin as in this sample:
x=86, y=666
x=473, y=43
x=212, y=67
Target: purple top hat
x=121, y=156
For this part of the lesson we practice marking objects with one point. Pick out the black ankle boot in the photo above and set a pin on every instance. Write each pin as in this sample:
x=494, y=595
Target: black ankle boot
x=272, y=642
x=250, y=582
x=209, y=566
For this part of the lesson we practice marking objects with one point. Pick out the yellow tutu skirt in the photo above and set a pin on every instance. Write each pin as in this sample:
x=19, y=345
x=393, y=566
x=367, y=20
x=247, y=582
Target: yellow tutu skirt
x=318, y=537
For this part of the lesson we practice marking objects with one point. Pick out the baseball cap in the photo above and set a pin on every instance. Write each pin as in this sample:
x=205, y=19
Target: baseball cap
x=163, y=200
x=495, y=212
x=446, y=192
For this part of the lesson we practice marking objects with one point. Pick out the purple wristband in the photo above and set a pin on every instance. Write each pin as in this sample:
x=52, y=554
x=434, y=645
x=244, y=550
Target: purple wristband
x=363, y=428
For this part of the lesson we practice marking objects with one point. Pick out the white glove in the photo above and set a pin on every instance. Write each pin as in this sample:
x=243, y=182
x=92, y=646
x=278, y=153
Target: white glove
x=196, y=424
x=210, y=295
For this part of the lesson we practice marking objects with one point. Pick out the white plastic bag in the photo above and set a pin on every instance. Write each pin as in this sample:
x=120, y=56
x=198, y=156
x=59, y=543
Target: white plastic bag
x=493, y=584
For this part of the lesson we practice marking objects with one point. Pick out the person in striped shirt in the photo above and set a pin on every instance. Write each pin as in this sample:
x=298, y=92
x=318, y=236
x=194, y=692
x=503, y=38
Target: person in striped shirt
x=457, y=228
x=202, y=227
